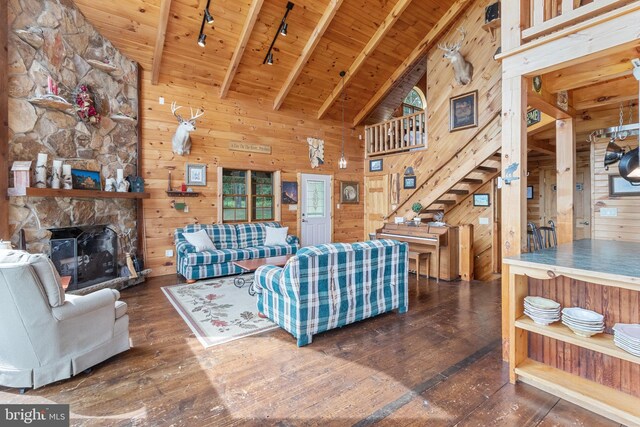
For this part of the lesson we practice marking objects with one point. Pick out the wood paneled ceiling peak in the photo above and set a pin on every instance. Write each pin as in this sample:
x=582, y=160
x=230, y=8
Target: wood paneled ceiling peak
x=372, y=39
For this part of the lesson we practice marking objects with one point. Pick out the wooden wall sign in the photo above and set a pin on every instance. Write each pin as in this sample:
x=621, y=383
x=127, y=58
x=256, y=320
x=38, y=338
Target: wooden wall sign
x=250, y=148
x=533, y=117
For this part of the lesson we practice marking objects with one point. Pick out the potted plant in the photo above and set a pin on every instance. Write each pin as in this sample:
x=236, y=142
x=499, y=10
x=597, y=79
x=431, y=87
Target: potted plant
x=417, y=207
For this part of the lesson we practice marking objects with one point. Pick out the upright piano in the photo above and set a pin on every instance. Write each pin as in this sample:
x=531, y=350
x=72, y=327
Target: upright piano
x=440, y=241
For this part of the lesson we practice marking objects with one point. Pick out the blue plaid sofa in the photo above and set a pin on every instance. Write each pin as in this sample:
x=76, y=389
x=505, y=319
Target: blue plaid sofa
x=233, y=242
x=329, y=286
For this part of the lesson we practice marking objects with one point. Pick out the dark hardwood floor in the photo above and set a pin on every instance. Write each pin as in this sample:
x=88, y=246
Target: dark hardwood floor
x=437, y=365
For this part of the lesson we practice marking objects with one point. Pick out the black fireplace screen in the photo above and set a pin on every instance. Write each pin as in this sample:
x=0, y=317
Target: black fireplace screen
x=88, y=254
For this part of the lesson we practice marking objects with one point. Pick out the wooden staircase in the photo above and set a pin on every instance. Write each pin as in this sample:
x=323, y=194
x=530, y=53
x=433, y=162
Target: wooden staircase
x=477, y=163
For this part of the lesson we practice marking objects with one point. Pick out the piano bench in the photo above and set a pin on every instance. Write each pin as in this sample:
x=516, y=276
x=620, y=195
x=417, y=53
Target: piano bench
x=418, y=257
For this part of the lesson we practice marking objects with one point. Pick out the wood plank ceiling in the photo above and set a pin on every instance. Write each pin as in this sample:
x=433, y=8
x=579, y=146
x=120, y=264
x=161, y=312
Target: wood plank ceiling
x=133, y=27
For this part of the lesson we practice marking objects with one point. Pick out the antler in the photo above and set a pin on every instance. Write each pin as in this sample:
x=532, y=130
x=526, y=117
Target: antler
x=458, y=45
x=199, y=112
x=454, y=47
x=174, y=109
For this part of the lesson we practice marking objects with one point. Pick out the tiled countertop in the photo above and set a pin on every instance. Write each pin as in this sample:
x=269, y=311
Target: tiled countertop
x=601, y=256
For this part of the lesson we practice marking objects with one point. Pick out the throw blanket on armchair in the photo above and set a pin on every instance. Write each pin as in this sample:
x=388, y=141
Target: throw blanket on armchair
x=328, y=286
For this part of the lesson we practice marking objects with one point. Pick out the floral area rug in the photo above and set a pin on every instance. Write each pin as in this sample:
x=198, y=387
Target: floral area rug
x=217, y=311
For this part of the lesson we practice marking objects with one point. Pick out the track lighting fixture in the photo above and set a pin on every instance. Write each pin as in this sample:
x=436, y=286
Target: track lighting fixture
x=206, y=18
x=342, y=164
x=202, y=40
x=282, y=30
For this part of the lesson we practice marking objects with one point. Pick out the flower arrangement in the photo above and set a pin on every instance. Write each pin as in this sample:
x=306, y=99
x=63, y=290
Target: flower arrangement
x=85, y=106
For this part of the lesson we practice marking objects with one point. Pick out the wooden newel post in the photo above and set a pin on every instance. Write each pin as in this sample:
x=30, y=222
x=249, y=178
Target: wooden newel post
x=566, y=179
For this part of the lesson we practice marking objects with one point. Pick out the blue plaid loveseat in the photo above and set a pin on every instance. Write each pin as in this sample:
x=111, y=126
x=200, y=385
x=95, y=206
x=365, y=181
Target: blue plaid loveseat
x=328, y=286
x=233, y=242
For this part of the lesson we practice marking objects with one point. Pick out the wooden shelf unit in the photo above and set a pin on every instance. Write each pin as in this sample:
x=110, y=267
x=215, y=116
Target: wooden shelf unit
x=602, y=343
x=609, y=402
x=613, y=404
x=183, y=193
x=83, y=194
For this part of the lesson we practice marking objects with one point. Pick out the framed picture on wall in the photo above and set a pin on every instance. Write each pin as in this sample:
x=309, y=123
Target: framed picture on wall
x=463, y=111
x=529, y=192
x=86, y=180
x=196, y=174
x=481, y=199
x=375, y=165
x=349, y=192
x=289, y=193
x=409, y=182
x=620, y=187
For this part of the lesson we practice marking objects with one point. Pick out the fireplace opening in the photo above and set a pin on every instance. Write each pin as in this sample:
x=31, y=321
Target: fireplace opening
x=88, y=254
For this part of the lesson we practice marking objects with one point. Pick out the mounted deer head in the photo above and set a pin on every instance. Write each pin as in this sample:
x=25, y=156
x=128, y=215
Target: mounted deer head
x=181, y=142
x=463, y=70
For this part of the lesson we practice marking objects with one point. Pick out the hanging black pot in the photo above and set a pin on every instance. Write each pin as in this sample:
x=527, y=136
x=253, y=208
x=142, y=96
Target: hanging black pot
x=629, y=163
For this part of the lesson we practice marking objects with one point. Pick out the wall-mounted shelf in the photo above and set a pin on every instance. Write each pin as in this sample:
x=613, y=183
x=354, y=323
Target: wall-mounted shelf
x=183, y=193
x=103, y=66
x=51, y=102
x=83, y=194
x=120, y=118
x=491, y=27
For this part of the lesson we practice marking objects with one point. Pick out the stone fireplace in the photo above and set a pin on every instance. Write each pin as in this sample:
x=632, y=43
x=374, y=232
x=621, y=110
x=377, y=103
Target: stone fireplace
x=51, y=38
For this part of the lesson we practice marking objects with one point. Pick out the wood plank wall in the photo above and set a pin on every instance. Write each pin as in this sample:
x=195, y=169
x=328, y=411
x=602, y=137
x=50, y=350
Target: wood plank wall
x=238, y=118
x=466, y=213
x=617, y=305
x=478, y=48
x=626, y=226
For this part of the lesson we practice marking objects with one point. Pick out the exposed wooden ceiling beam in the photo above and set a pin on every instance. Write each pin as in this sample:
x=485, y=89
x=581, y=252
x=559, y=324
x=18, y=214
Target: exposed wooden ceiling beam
x=541, y=147
x=371, y=46
x=547, y=103
x=165, y=8
x=592, y=72
x=249, y=23
x=311, y=45
x=419, y=52
x=613, y=92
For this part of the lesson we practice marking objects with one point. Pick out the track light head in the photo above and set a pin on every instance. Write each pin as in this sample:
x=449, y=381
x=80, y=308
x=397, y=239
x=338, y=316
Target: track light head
x=270, y=58
x=202, y=40
x=207, y=17
x=283, y=30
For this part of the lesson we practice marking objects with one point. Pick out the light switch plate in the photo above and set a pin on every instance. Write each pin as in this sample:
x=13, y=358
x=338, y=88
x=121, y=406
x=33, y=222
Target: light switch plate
x=168, y=253
x=483, y=221
x=161, y=100
x=609, y=212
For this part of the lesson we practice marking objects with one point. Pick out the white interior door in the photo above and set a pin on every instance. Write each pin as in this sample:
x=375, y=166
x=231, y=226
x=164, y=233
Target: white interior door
x=316, y=209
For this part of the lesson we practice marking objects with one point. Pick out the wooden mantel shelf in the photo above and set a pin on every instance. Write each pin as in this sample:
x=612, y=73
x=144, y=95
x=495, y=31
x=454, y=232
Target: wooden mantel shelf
x=83, y=194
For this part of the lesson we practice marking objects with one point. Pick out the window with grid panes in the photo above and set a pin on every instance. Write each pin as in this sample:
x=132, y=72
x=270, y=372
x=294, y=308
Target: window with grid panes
x=247, y=195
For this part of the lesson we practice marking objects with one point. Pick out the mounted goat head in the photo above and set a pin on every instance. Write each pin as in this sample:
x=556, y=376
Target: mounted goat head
x=181, y=142
x=463, y=70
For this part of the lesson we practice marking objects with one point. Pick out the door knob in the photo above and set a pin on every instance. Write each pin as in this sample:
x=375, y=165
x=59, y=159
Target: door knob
x=585, y=223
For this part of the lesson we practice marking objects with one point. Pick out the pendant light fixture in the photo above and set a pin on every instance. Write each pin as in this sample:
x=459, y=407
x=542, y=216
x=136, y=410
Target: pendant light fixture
x=342, y=164
x=282, y=31
x=206, y=18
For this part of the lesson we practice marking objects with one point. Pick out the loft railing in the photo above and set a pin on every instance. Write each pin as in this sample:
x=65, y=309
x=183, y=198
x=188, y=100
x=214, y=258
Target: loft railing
x=542, y=17
x=397, y=135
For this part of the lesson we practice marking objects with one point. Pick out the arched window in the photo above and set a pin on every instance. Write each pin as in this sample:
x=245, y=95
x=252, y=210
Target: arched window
x=413, y=103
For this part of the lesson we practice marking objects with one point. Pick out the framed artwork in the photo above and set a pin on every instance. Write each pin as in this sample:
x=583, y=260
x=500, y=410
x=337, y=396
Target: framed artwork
x=196, y=174
x=349, y=192
x=620, y=187
x=289, y=193
x=86, y=180
x=463, y=111
x=409, y=182
x=529, y=192
x=375, y=165
x=481, y=199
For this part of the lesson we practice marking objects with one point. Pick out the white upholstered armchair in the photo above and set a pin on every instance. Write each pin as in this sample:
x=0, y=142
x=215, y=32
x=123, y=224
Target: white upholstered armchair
x=45, y=335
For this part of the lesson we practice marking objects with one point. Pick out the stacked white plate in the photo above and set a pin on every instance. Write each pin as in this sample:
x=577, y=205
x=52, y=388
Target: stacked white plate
x=584, y=323
x=542, y=311
x=627, y=337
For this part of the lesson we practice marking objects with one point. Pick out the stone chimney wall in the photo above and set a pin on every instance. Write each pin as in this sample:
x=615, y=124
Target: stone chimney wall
x=52, y=38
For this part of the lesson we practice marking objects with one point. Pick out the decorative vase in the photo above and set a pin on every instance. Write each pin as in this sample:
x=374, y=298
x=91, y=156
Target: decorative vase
x=41, y=170
x=67, y=180
x=56, y=174
x=122, y=185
